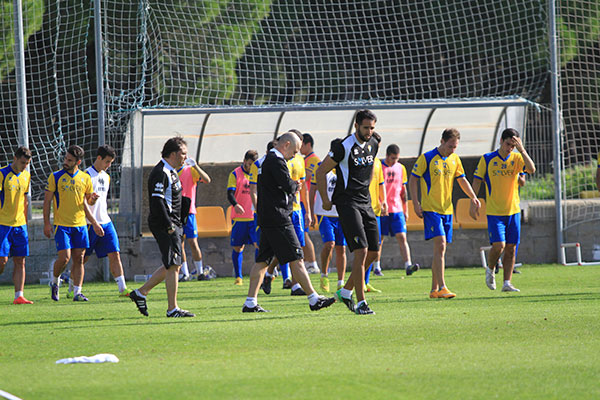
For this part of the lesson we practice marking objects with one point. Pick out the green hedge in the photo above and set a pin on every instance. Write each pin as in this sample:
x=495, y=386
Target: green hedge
x=576, y=179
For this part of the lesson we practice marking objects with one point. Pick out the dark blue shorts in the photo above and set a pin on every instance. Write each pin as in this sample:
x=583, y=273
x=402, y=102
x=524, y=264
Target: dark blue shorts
x=504, y=228
x=437, y=225
x=243, y=232
x=331, y=230
x=14, y=241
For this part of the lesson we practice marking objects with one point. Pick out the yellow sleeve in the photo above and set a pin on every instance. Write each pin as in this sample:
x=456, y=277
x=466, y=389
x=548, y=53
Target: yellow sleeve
x=51, y=185
x=1, y=180
x=481, y=168
x=253, y=174
x=459, y=168
x=420, y=166
x=195, y=175
x=89, y=187
x=231, y=181
x=313, y=176
x=404, y=174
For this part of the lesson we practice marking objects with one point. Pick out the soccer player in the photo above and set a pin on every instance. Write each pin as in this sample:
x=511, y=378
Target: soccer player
x=353, y=158
x=500, y=171
x=107, y=245
x=243, y=230
x=165, y=221
x=331, y=232
x=14, y=241
x=310, y=164
x=189, y=175
x=436, y=171
x=379, y=205
x=394, y=224
x=69, y=191
x=276, y=192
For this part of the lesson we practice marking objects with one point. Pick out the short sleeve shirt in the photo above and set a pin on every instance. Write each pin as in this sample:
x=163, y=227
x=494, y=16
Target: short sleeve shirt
x=377, y=182
x=297, y=172
x=101, y=184
x=69, y=194
x=395, y=179
x=13, y=189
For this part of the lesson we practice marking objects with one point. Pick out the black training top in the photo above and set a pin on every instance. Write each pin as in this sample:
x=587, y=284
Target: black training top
x=164, y=192
x=354, y=169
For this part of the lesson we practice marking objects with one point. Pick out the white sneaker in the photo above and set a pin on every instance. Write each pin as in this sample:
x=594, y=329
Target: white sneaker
x=508, y=287
x=313, y=270
x=490, y=279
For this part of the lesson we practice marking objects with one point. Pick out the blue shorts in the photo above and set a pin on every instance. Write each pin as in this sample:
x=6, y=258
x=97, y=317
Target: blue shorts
x=437, y=225
x=305, y=226
x=393, y=224
x=109, y=243
x=298, y=223
x=331, y=230
x=190, y=229
x=504, y=228
x=14, y=241
x=71, y=237
x=243, y=232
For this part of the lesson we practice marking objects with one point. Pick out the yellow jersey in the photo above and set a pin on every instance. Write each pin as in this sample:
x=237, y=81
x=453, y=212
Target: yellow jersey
x=501, y=177
x=13, y=190
x=297, y=172
x=375, y=186
x=69, y=195
x=437, y=176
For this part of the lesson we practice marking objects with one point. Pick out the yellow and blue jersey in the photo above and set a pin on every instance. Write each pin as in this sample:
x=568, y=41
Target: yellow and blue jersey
x=69, y=195
x=437, y=175
x=297, y=172
x=375, y=186
x=501, y=177
x=311, y=162
x=13, y=190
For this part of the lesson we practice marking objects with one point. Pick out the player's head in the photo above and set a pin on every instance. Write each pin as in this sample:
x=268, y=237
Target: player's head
x=449, y=141
x=73, y=158
x=307, y=144
x=249, y=158
x=175, y=151
x=507, y=141
x=21, y=159
x=392, y=154
x=105, y=155
x=288, y=144
x=365, y=124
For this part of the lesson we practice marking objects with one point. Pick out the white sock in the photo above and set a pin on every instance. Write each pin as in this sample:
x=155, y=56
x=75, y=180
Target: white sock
x=121, y=283
x=361, y=303
x=71, y=284
x=55, y=280
x=184, y=269
x=323, y=275
x=341, y=283
x=18, y=294
x=199, y=267
x=506, y=283
x=313, y=298
x=139, y=294
x=346, y=293
x=251, y=302
x=376, y=265
x=268, y=275
x=76, y=290
x=296, y=286
x=407, y=264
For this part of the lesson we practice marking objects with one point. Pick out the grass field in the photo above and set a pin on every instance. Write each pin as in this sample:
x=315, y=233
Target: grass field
x=541, y=343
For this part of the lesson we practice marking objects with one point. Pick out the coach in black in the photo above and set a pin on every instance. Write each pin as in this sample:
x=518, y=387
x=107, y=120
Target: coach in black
x=277, y=235
x=353, y=158
x=165, y=221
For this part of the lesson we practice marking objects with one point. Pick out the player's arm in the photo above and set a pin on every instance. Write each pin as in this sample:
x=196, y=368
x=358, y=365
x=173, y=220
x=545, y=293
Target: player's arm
x=90, y=217
x=529, y=165
x=466, y=187
x=311, y=205
x=26, y=204
x=522, y=179
x=404, y=200
x=304, y=195
x=474, y=212
x=190, y=162
x=383, y=199
x=46, y=212
x=326, y=165
x=413, y=187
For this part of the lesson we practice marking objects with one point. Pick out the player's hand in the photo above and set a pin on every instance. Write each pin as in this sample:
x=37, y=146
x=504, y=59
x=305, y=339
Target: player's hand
x=48, y=230
x=418, y=209
x=384, y=209
x=239, y=209
x=190, y=162
x=474, y=211
x=313, y=223
x=98, y=229
x=327, y=204
x=93, y=198
x=516, y=141
x=308, y=219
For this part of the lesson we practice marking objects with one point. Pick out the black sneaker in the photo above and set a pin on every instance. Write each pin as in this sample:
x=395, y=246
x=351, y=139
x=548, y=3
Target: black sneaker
x=140, y=302
x=323, y=302
x=179, y=313
x=516, y=271
x=497, y=268
x=266, y=285
x=287, y=284
x=412, y=268
x=80, y=297
x=298, y=292
x=256, y=308
x=184, y=278
x=363, y=309
x=348, y=302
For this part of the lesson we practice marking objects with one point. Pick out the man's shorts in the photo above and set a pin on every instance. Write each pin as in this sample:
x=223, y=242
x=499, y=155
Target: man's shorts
x=437, y=225
x=331, y=230
x=281, y=242
x=109, y=243
x=504, y=228
x=305, y=226
x=14, y=241
x=298, y=222
x=243, y=232
x=71, y=237
x=393, y=224
x=190, y=229
x=169, y=245
x=359, y=225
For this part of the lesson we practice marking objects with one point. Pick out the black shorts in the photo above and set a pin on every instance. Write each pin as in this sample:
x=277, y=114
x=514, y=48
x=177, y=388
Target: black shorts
x=169, y=245
x=281, y=242
x=359, y=225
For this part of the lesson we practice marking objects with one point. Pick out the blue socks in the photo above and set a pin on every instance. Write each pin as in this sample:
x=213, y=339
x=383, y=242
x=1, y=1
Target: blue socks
x=237, y=258
x=368, y=273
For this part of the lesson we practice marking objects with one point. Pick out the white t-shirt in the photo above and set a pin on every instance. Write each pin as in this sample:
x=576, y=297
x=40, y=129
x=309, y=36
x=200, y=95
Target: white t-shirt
x=101, y=183
x=331, y=180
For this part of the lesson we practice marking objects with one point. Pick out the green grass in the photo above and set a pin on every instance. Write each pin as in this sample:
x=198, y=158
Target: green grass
x=540, y=343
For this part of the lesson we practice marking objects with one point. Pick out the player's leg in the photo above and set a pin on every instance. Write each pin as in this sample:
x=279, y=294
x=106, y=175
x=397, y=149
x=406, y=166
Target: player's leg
x=263, y=259
x=513, y=236
x=171, y=284
x=310, y=258
x=340, y=264
x=239, y=236
x=237, y=256
x=78, y=273
x=196, y=256
x=298, y=224
x=19, y=280
x=326, y=253
x=497, y=236
x=437, y=265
